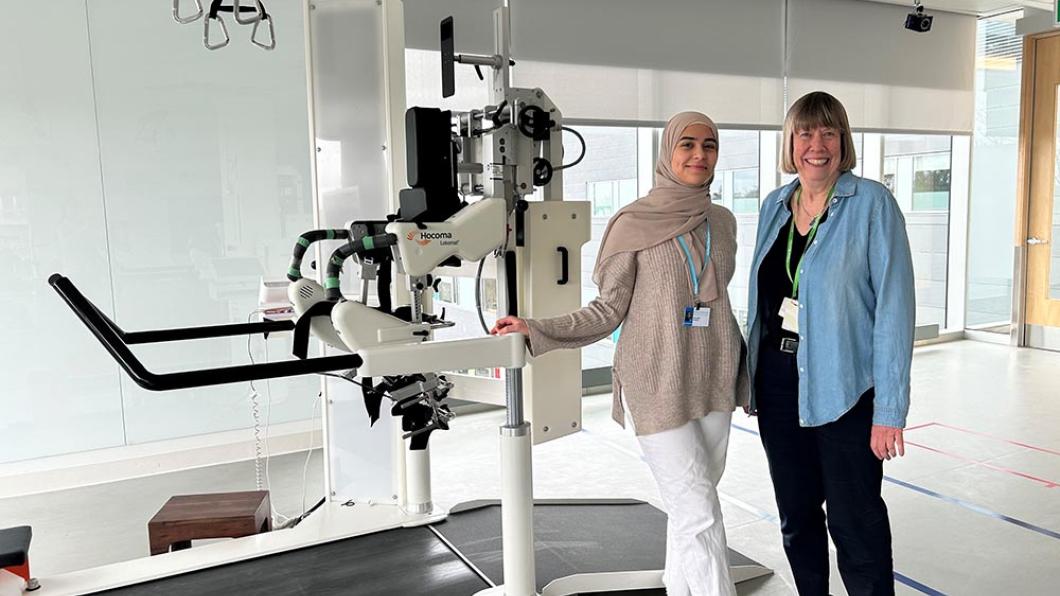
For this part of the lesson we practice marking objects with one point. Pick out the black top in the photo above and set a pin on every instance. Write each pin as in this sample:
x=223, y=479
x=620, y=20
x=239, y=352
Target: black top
x=774, y=285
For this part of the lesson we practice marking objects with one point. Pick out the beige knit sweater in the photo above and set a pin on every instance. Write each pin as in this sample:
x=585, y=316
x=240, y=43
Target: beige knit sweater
x=668, y=373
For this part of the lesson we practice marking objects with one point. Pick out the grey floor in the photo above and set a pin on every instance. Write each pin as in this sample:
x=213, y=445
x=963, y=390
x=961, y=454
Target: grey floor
x=975, y=504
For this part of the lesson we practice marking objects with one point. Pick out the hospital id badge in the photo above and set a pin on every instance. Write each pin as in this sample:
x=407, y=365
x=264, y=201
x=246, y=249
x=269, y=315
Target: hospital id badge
x=789, y=312
x=697, y=316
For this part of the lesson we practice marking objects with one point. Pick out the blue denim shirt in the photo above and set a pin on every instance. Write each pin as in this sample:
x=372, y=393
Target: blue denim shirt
x=856, y=303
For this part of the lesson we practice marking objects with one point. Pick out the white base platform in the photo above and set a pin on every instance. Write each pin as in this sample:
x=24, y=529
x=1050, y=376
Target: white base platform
x=329, y=523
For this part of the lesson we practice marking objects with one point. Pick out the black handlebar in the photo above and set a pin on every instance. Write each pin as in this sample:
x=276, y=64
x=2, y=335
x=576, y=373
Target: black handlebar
x=116, y=342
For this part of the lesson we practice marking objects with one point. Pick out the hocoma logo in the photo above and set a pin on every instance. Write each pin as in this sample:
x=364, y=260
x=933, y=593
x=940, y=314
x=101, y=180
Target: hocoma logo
x=425, y=238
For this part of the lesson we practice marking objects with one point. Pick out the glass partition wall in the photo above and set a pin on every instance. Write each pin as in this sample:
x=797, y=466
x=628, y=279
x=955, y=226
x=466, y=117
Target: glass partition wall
x=165, y=183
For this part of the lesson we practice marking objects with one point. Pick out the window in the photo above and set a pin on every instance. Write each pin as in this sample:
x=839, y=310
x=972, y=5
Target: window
x=446, y=291
x=992, y=196
x=931, y=182
x=736, y=175
x=745, y=190
x=916, y=169
x=608, y=196
x=890, y=169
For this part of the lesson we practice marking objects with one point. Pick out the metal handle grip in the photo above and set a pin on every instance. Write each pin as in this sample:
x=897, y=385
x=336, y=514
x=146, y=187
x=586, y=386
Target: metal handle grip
x=564, y=275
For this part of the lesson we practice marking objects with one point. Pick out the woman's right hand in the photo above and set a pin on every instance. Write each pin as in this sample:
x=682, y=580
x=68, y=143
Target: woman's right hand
x=506, y=325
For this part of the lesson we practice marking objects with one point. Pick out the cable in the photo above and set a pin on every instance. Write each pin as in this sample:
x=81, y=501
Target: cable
x=309, y=451
x=478, y=296
x=580, y=157
x=255, y=412
x=343, y=377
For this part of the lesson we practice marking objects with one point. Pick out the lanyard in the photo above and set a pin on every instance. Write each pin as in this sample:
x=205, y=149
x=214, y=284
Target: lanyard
x=809, y=240
x=688, y=255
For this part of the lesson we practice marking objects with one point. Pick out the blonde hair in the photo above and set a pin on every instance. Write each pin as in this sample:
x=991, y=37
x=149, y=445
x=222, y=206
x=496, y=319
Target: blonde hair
x=809, y=112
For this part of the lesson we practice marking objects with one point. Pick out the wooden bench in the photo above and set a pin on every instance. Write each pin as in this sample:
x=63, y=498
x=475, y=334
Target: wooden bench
x=218, y=515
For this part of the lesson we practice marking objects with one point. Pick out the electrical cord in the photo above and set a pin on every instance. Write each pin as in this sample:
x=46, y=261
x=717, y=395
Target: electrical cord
x=478, y=296
x=309, y=452
x=255, y=412
x=262, y=453
x=580, y=157
x=343, y=377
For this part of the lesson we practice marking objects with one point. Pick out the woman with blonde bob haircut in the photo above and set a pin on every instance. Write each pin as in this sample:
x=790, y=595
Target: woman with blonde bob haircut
x=830, y=339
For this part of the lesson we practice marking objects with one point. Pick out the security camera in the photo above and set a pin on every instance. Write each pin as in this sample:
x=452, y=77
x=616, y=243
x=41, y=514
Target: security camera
x=918, y=21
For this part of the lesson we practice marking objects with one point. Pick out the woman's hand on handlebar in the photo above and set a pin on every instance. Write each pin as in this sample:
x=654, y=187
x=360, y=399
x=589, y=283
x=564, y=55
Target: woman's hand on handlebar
x=506, y=325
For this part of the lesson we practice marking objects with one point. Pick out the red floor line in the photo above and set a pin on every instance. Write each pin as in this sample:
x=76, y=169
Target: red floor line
x=1047, y=483
x=996, y=438
x=926, y=424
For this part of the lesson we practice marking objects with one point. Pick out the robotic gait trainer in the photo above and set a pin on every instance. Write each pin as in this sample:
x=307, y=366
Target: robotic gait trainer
x=470, y=174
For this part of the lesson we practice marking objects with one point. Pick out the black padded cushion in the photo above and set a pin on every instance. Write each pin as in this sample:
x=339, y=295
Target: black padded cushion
x=14, y=545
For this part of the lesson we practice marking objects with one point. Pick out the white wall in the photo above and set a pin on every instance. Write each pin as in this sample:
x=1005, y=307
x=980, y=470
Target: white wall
x=164, y=180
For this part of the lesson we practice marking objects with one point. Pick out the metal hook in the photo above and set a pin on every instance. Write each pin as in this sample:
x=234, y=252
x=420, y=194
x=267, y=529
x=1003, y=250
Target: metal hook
x=206, y=33
x=258, y=10
x=188, y=19
x=271, y=45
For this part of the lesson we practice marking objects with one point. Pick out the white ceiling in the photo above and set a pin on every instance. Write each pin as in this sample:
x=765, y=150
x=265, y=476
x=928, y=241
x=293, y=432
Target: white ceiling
x=976, y=7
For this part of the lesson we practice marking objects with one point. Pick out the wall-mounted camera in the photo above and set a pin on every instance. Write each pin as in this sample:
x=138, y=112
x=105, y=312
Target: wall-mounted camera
x=917, y=20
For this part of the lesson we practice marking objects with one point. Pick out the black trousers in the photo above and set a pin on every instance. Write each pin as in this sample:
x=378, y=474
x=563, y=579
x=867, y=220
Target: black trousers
x=830, y=464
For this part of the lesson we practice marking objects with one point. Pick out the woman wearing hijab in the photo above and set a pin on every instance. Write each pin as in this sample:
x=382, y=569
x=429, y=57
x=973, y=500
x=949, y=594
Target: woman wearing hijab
x=830, y=344
x=664, y=264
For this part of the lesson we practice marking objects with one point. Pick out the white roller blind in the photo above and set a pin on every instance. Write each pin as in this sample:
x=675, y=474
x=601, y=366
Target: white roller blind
x=888, y=77
x=626, y=59
x=642, y=61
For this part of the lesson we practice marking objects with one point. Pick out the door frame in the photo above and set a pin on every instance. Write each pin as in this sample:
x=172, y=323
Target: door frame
x=1019, y=332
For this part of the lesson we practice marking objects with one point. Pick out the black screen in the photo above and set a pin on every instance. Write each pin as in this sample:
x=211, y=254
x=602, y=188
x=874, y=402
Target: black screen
x=448, y=75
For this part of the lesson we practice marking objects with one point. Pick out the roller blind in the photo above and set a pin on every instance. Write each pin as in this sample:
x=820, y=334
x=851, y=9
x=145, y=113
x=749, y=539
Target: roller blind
x=626, y=59
x=889, y=78
x=638, y=60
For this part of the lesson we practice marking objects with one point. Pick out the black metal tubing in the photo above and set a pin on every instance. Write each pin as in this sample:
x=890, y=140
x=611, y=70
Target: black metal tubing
x=111, y=336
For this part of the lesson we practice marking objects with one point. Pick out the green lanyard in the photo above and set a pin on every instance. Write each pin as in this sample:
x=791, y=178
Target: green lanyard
x=809, y=240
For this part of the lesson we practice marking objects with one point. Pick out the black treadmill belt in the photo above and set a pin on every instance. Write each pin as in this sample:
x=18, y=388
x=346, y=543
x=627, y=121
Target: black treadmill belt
x=569, y=537
x=399, y=562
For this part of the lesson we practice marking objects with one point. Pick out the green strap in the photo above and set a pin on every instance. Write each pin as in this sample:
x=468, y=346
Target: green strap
x=331, y=282
x=294, y=272
x=809, y=240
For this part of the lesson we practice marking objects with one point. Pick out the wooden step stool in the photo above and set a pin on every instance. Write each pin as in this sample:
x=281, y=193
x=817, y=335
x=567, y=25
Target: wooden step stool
x=217, y=515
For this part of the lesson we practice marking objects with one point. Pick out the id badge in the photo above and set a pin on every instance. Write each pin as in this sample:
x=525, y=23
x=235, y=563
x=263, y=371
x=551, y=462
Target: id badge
x=697, y=316
x=789, y=311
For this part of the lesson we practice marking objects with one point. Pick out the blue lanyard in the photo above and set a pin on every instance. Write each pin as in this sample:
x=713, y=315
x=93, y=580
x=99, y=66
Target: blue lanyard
x=688, y=255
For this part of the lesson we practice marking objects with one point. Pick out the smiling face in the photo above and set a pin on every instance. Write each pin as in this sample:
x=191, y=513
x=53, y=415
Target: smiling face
x=695, y=155
x=817, y=153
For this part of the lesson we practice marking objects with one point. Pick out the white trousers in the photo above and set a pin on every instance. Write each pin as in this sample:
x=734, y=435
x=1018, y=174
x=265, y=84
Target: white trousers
x=687, y=463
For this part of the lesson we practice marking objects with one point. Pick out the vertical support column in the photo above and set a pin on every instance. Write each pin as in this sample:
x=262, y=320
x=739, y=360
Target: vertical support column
x=517, y=494
x=957, y=257
x=310, y=71
x=418, y=480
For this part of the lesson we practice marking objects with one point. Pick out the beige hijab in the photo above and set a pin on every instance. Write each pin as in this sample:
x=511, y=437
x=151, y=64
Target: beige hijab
x=671, y=209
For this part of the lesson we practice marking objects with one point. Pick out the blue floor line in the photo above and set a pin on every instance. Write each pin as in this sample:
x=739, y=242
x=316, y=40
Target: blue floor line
x=919, y=587
x=955, y=501
x=769, y=517
x=902, y=579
